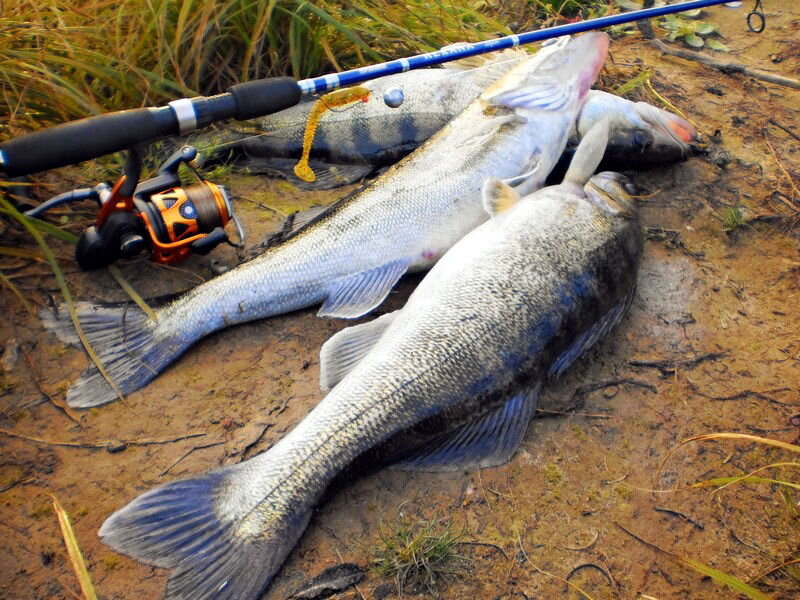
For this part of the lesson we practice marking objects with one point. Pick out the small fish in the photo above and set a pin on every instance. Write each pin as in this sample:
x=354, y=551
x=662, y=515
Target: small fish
x=445, y=384
x=349, y=257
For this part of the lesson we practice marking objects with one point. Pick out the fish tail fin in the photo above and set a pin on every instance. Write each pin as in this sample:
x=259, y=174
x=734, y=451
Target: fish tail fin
x=219, y=544
x=124, y=339
x=588, y=155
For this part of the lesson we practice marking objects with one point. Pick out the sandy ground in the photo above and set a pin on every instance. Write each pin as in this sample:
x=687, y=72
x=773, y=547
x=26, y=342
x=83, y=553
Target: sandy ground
x=717, y=306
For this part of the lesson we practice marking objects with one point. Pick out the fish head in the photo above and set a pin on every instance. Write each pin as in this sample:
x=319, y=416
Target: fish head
x=556, y=78
x=641, y=135
x=614, y=193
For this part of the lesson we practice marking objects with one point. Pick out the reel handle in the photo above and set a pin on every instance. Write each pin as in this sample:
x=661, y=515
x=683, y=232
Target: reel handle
x=77, y=141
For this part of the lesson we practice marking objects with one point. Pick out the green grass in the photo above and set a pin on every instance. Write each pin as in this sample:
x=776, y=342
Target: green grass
x=733, y=219
x=419, y=553
x=66, y=59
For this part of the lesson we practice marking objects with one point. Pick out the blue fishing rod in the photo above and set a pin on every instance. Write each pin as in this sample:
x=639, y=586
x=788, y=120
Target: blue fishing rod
x=88, y=138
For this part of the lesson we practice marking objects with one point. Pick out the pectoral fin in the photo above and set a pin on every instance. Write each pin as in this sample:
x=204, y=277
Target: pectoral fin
x=498, y=196
x=591, y=336
x=543, y=93
x=345, y=350
x=355, y=295
x=489, y=441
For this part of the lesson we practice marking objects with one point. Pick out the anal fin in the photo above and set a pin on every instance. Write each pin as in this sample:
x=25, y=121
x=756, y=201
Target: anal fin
x=591, y=336
x=355, y=295
x=345, y=350
x=489, y=441
x=328, y=175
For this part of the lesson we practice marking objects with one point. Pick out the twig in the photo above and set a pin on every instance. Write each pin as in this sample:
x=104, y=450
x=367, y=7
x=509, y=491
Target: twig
x=188, y=452
x=488, y=545
x=680, y=515
x=572, y=412
x=786, y=129
x=785, y=173
x=726, y=67
x=741, y=395
x=527, y=558
x=103, y=444
x=63, y=406
x=593, y=387
x=13, y=484
x=668, y=367
x=590, y=566
x=246, y=449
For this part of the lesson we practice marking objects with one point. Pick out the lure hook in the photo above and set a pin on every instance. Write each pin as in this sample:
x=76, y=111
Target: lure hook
x=757, y=16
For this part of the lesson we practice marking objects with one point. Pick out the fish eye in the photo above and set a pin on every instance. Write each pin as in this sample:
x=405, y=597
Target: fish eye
x=642, y=139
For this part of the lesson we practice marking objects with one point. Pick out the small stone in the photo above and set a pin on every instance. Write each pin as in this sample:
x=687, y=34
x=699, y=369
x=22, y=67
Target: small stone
x=10, y=355
x=610, y=392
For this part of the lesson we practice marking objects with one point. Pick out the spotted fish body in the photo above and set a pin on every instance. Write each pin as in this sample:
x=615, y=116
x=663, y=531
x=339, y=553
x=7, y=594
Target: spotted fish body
x=448, y=382
x=364, y=137
x=371, y=132
x=350, y=257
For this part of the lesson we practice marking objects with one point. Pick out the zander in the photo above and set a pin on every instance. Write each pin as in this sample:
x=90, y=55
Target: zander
x=447, y=383
x=349, y=257
x=355, y=141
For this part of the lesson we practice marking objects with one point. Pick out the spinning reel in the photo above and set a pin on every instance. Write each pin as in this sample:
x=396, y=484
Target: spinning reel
x=171, y=221
x=159, y=215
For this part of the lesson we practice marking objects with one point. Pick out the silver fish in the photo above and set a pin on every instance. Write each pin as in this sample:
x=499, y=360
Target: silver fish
x=355, y=140
x=447, y=383
x=350, y=257
x=362, y=138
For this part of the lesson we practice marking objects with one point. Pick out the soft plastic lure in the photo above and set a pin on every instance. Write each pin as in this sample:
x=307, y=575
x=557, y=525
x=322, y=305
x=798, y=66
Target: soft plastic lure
x=327, y=102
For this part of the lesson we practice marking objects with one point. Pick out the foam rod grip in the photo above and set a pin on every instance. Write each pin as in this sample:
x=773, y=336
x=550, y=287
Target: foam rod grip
x=88, y=138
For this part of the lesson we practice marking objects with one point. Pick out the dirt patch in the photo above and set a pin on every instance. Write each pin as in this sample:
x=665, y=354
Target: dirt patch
x=577, y=478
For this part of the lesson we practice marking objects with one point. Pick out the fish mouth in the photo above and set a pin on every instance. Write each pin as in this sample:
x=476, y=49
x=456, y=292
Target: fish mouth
x=614, y=183
x=614, y=193
x=672, y=127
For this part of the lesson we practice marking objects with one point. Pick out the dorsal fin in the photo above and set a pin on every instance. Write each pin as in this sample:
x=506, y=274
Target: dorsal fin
x=498, y=197
x=345, y=350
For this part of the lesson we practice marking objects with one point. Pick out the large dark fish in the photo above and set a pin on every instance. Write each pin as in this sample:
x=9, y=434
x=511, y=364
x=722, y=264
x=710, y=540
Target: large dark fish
x=447, y=383
x=349, y=258
x=354, y=140
x=364, y=137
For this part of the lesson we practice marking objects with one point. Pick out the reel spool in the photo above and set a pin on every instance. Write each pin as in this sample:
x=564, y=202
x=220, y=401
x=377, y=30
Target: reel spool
x=171, y=221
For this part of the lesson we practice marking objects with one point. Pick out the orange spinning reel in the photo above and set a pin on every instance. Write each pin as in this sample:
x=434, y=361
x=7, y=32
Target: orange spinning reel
x=170, y=220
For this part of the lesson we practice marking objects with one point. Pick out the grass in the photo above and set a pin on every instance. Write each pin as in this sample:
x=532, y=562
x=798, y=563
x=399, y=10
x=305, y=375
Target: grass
x=733, y=219
x=66, y=59
x=783, y=485
x=419, y=553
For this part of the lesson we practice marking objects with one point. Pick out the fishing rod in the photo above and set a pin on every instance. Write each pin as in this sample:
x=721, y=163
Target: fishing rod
x=174, y=222
x=92, y=137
